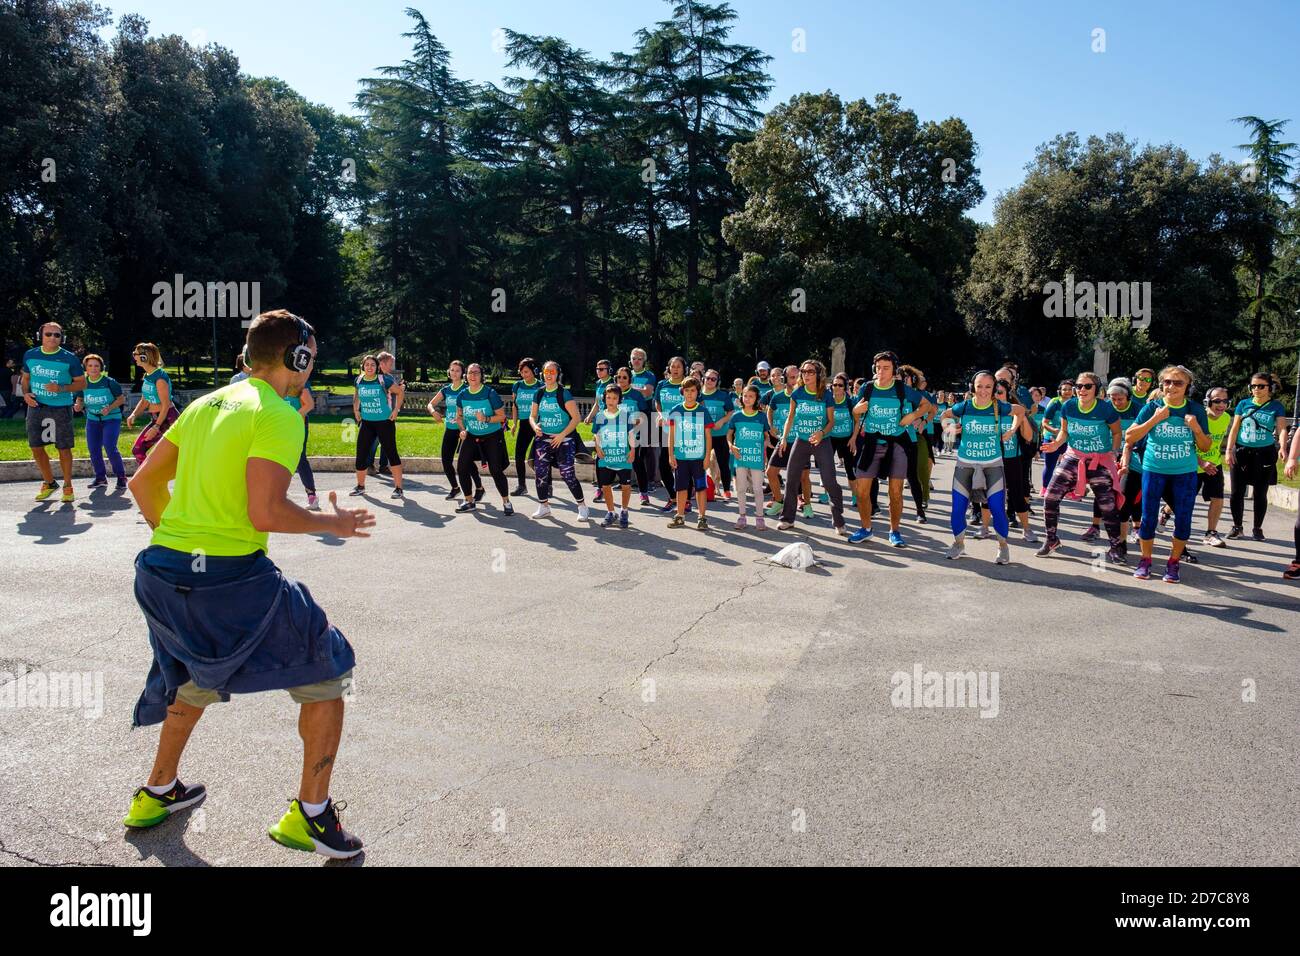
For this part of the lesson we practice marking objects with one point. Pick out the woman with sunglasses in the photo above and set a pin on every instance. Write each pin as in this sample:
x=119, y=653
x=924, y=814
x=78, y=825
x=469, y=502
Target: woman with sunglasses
x=1089, y=430
x=375, y=405
x=1144, y=380
x=1209, y=472
x=1254, y=448
x=843, y=430
x=721, y=405
x=445, y=406
x=1120, y=395
x=803, y=438
x=155, y=398
x=1176, y=433
x=480, y=417
x=525, y=393
x=555, y=418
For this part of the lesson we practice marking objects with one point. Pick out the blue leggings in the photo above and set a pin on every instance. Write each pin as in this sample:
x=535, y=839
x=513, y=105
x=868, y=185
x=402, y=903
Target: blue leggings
x=995, y=495
x=1154, y=486
x=101, y=437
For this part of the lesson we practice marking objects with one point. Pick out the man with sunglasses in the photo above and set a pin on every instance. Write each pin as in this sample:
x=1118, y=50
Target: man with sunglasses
x=1209, y=470
x=51, y=374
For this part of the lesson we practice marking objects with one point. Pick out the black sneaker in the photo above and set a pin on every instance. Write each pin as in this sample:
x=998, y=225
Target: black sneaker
x=508, y=509
x=1189, y=557
x=323, y=834
x=465, y=506
x=397, y=493
x=1049, y=545
x=519, y=491
x=1116, y=555
x=121, y=485
x=478, y=494
x=452, y=495
x=149, y=809
x=386, y=471
x=1235, y=533
x=98, y=483
x=1258, y=534
x=358, y=490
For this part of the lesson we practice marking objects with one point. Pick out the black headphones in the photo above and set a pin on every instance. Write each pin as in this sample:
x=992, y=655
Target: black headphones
x=888, y=356
x=970, y=386
x=297, y=358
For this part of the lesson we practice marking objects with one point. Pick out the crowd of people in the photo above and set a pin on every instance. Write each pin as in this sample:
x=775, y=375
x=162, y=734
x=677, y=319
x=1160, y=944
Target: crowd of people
x=215, y=481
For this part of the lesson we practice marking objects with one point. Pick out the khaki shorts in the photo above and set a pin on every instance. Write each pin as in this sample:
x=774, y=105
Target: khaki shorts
x=190, y=693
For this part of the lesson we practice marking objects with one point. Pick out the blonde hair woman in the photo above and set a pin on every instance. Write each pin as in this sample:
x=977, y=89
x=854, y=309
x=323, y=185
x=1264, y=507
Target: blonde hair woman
x=155, y=398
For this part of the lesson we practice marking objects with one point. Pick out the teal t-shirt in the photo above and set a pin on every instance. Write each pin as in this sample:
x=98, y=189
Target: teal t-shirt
x=1089, y=432
x=485, y=400
x=668, y=395
x=719, y=403
x=885, y=411
x=149, y=386
x=843, y=426
x=1258, y=422
x=59, y=367
x=552, y=416
x=451, y=401
x=372, y=394
x=1171, y=445
x=812, y=412
x=748, y=430
x=525, y=394
x=779, y=402
x=690, y=430
x=99, y=394
x=981, y=431
x=614, y=432
x=1126, y=418
x=1052, y=415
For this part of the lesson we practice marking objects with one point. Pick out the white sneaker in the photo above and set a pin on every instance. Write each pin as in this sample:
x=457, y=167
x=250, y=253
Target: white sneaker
x=583, y=512
x=1004, y=552
x=958, y=549
x=1029, y=537
x=543, y=511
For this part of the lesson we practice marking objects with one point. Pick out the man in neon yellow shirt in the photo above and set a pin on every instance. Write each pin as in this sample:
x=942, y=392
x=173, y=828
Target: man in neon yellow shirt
x=222, y=618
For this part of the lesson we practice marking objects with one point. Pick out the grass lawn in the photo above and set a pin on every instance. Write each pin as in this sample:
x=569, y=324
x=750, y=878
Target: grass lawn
x=418, y=437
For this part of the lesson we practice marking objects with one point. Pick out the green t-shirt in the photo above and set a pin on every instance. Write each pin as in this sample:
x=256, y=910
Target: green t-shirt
x=216, y=435
x=1218, y=432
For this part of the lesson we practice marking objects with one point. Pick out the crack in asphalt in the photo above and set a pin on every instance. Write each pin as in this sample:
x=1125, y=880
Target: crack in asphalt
x=654, y=738
x=67, y=657
x=36, y=862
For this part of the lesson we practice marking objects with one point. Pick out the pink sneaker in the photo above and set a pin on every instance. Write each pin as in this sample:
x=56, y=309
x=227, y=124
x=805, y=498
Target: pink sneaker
x=740, y=523
x=759, y=524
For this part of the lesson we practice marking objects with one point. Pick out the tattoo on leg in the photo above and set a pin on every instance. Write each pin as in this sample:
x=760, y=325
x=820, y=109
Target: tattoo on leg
x=322, y=764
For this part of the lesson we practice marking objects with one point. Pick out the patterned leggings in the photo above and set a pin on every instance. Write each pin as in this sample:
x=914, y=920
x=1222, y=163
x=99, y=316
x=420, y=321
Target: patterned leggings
x=963, y=477
x=152, y=434
x=1063, y=481
x=544, y=456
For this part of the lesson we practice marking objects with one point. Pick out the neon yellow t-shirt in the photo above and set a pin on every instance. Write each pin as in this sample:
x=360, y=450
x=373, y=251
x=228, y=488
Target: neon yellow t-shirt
x=1218, y=432
x=216, y=435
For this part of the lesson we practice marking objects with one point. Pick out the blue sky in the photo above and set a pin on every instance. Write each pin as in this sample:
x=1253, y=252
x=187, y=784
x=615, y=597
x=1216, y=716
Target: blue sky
x=1017, y=72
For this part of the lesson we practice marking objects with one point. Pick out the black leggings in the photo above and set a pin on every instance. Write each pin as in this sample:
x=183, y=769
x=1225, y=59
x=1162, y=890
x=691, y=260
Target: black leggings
x=1256, y=469
x=641, y=465
x=385, y=432
x=489, y=448
x=523, y=450
x=1017, y=495
x=841, y=446
x=450, y=441
x=666, y=473
x=723, y=454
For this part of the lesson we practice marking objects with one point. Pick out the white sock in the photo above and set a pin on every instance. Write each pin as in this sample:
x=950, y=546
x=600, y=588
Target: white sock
x=159, y=791
x=313, y=809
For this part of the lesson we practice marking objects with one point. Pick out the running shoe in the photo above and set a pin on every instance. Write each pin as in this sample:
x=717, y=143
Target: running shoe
x=1004, y=553
x=610, y=518
x=645, y=500
x=149, y=809
x=981, y=534
x=98, y=483
x=702, y=524
x=824, y=498
x=760, y=524
x=1028, y=536
x=1133, y=536
x=1235, y=533
x=583, y=511
x=1050, y=544
x=312, y=504
x=958, y=548
x=808, y=511
x=385, y=472
x=774, y=509
x=543, y=511
x=323, y=834
x=670, y=506
x=1213, y=540
x=465, y=506
x=1143, y=570
x=842, y=531
x=68, y=495
x=1115, y=555
x=920, y=517
x=1091, y=534
x=622, y=519
x=397, y=493
x=896, y=540
x=1171, y=573
x=784, y=525
x=507, y=508
x=1258, y=533
x=862, y=534
x=677, y=521
x=520, y=491
x=47, y=490
x=121, y=485
x=1165, y=515
x=1013, y=521
x=452, y=495
x=1292, y=573
x=740, y=523
x=358, y=490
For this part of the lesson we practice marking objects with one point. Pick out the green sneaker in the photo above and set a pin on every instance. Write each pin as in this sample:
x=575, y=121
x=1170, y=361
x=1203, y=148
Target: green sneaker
x=774, y=509
x=47, y=490
x=149, y=810
x=807, y=511
x=322, y=834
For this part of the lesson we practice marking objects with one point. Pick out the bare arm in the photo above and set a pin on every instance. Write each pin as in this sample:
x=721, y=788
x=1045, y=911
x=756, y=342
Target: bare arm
x=149, y=483
x=269, y=510
x=308, y=403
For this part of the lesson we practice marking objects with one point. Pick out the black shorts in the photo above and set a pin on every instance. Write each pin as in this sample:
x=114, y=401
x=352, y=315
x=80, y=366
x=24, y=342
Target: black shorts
x=689, y=475
x=779, y=458
x=613, y=477
x=1210, y=487
x=50, y=425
